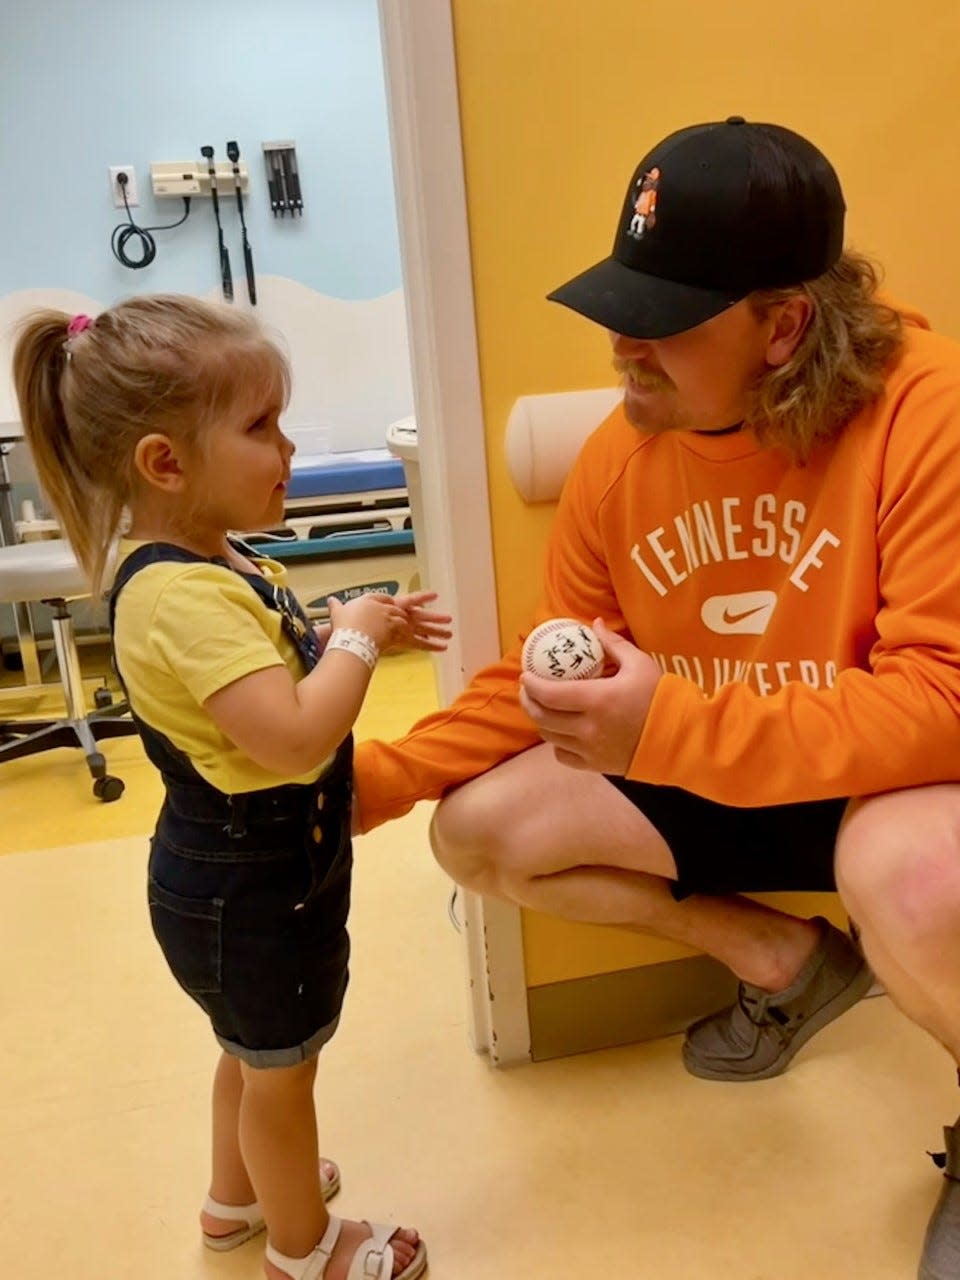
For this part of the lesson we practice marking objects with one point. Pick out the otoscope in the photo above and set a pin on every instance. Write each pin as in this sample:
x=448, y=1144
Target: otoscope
x=226, y=279
x=233, y=155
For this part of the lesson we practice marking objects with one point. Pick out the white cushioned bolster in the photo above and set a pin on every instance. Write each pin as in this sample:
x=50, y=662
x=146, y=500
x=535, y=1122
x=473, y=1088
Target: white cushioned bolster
x=544, y=435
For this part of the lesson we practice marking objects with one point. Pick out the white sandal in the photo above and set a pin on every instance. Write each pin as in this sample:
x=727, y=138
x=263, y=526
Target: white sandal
x=250, y=1215
x=373, y=1259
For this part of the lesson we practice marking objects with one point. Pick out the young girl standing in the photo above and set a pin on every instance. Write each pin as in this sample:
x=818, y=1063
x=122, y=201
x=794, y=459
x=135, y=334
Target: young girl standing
x=164, y=412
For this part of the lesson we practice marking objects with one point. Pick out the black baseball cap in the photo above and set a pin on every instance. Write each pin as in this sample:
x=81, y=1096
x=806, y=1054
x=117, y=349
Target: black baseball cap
x=712, y=213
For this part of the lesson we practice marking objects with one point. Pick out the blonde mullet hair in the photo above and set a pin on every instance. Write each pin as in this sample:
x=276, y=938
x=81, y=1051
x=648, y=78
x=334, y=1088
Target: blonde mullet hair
x=840, y=364
x=163, y=364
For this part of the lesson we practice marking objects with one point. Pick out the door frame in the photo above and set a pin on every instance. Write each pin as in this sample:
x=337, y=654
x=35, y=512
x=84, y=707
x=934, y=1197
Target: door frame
x=423, y=108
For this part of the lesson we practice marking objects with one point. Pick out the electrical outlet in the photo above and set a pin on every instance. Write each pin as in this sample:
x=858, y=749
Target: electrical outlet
x=117, y=189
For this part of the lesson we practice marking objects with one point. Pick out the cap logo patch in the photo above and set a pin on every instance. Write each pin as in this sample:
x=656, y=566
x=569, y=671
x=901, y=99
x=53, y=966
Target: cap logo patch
x=645, y=206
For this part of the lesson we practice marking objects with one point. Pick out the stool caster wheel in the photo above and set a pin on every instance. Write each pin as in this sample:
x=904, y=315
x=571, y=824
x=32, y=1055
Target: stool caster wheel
x=102, y=698
x=108, y=788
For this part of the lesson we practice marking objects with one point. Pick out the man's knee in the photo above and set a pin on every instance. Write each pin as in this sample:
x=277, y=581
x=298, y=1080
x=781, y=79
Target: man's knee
x=898, y=861
x=487, y=833
x=464, y=841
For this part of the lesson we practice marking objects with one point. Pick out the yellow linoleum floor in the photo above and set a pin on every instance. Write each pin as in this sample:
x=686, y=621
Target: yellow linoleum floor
x=613, y=1164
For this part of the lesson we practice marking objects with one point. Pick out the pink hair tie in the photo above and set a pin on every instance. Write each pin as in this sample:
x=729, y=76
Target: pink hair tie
x=78, y=324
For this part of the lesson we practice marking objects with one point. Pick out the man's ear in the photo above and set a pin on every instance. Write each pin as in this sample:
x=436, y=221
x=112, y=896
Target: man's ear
x=158, y=462
x=790, y=320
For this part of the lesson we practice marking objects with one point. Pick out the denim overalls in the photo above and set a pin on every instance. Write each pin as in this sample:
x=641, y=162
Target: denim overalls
x=249, y=894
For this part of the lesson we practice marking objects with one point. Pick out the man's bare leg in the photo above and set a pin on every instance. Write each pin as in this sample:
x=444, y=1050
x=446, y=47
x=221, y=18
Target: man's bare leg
x=898, y=871
x=565, y=842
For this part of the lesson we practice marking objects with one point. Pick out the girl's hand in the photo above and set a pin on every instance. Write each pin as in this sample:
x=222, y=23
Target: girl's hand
x=395, y=622
x=374, y=613
x=424, y=628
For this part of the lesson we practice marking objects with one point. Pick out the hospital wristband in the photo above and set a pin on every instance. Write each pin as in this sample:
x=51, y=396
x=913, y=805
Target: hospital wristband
x=356, y=642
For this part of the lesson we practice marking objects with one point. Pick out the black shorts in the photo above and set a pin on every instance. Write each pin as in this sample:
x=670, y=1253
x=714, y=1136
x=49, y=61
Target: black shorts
x=721, y=849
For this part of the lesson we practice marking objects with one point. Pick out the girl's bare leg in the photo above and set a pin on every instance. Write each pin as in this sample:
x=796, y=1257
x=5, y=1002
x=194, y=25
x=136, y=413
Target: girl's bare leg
x=278, y=1139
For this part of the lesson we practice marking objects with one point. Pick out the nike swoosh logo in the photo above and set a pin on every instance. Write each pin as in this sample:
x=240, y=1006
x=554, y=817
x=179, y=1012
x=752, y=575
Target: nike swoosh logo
x=730, y=618
x=743, y=613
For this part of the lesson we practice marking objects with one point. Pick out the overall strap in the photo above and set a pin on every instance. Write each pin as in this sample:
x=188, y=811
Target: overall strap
x=293, y=619
x=149, y=553
x=173, y=763
x=280, y=599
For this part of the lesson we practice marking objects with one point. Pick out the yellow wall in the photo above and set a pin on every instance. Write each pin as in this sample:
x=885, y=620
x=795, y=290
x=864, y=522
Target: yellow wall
x=561, y=98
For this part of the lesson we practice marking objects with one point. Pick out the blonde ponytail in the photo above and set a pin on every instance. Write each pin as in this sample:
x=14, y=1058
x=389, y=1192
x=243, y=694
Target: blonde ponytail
x=163, y=364
x=88, y=512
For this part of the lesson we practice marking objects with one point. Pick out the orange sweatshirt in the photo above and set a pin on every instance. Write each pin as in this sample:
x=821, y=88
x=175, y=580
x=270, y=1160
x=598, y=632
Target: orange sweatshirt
x=807, y=618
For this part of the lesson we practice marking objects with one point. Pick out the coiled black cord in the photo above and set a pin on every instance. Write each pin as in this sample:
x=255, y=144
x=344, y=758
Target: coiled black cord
x=126, y=231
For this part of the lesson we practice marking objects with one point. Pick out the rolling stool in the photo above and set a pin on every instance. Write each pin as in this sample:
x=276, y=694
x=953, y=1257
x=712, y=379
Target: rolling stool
x=47, y=571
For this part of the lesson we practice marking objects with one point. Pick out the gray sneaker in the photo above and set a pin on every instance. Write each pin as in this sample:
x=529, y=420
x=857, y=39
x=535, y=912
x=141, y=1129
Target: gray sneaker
x=757, y=1037
x=941, y=1246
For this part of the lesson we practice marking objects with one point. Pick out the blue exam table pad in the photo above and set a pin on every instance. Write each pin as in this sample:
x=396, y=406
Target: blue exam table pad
x=320, y=474
x=332, y=545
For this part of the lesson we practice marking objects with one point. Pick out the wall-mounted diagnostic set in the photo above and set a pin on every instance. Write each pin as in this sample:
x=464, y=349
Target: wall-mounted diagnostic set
x=217, y=179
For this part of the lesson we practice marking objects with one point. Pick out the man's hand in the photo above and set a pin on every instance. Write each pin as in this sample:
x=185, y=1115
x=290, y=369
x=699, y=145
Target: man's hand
x=595, y=724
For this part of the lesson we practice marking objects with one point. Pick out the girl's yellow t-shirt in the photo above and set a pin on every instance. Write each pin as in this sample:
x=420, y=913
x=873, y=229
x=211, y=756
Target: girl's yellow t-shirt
x=183, y=631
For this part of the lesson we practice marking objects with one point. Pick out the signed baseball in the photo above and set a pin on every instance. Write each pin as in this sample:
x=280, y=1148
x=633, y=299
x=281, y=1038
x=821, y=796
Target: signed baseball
x=563, y=649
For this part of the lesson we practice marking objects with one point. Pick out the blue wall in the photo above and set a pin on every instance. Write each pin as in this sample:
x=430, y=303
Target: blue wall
x=85, y=84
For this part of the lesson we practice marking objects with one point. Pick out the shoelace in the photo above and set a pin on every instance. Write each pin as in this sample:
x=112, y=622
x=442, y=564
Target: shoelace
x=760, y=1012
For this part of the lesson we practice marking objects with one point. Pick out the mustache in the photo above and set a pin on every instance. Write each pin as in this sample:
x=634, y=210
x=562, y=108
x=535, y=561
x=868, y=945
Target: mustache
x=641, y=374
